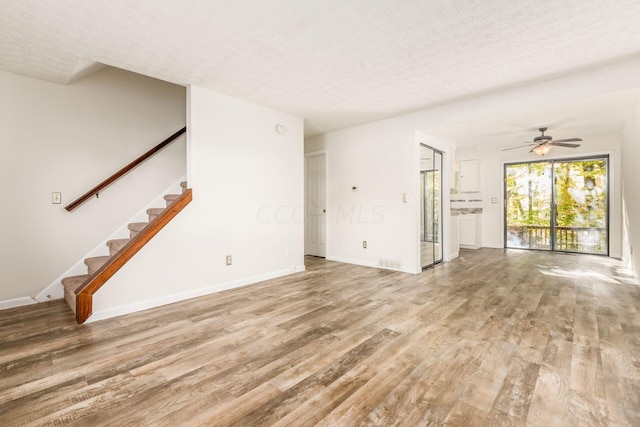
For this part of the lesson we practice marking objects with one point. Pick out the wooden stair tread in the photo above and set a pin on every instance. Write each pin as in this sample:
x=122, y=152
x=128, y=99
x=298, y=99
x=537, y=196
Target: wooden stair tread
x=137, y=226
x=73, y=282
x=116, y=244
x=94, y=263
x=170, y=198
x=96, y=259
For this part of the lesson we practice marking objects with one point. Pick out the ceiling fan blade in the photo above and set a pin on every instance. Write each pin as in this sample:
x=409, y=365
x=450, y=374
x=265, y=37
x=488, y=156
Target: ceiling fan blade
x=513, y=148
x=568, y=140
x=562, y=144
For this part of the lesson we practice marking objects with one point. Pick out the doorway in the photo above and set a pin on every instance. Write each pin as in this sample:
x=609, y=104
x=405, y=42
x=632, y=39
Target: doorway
x=430, y=206
x=315, y=204
x=558, y=205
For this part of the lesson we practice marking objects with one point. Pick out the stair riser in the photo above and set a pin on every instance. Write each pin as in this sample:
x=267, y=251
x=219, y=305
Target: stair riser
x=170, y=198
x=114, y=248
x=95, y=263
x=91, y=269
x=152, y=217
x=135, y=228
x=70, y=298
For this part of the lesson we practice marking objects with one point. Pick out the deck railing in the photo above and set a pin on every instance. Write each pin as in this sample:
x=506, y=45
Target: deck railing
x=571, y=239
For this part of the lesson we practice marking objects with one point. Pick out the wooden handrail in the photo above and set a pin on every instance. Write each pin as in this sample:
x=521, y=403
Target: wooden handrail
x=84, y=294
x=96, y=190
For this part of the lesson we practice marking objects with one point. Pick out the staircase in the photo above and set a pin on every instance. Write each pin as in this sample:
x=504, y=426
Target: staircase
x=101, y=268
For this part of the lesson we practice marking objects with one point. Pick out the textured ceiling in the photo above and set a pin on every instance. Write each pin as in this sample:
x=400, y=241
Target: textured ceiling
x=336, y=63
x=604, y=114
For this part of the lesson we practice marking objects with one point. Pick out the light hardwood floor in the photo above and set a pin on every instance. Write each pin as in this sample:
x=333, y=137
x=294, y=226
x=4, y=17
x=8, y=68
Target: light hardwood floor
x=494, y=338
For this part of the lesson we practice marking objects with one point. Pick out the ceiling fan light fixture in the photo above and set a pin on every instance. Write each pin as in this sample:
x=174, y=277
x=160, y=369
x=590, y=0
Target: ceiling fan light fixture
x=542, y=149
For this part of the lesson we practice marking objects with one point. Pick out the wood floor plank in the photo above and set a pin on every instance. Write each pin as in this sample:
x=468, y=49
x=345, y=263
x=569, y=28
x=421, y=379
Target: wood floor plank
x=496, y=337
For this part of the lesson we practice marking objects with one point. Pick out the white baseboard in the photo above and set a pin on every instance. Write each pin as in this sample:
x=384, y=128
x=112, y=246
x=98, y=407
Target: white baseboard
x=205, y=290
x=474, y=247
x=16, y=302
x=361, y=262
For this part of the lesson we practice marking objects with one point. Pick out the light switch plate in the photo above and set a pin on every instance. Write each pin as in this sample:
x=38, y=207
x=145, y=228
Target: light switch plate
x=56, y=198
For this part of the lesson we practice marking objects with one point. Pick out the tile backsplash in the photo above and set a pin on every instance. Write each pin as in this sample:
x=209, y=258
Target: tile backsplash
x=466, y=204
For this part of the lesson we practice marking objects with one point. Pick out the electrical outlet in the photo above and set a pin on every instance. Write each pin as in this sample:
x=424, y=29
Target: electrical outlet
x=287, y=253
x=229, y=261
x=56, y=198
x=364, y=244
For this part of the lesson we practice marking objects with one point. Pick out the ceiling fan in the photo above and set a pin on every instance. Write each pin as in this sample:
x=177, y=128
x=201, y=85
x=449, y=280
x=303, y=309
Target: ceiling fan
x=544, y=143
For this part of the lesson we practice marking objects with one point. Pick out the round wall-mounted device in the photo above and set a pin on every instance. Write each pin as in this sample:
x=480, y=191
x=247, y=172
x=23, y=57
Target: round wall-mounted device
x=280, y=128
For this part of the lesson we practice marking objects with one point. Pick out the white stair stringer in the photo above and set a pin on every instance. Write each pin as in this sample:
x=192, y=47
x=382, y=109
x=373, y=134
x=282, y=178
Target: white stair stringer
x=55, y=290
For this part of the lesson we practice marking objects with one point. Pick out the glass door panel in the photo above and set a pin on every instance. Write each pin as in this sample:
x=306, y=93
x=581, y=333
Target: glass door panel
x=431, y=206
x=528, y=205
x=436, y=191
x=559, y=205
x=581, y=206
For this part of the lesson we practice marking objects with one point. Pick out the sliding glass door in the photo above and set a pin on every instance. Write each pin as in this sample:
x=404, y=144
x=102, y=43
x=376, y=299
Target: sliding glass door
x=431, y=206
x=558, y=205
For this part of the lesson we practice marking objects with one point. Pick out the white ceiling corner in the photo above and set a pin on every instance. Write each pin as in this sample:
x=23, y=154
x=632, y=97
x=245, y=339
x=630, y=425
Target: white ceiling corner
x=335, y=63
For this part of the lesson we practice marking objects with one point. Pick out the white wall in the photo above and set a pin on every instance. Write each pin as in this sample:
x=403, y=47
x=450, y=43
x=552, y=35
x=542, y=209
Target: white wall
x=383, y=162
x=631, y=189
x=68, y=139
x=492, y=162
x=248, y=190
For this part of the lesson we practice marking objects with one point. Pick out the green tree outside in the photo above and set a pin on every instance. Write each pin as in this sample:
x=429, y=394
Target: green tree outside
x=580, y=211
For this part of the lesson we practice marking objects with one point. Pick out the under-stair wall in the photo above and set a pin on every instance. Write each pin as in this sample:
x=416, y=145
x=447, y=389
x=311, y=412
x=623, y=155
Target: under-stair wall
x=55, y=289
x=248, y=185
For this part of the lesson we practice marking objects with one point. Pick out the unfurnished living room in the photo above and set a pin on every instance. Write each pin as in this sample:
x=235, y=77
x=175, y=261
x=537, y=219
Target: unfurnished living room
x=320, y=212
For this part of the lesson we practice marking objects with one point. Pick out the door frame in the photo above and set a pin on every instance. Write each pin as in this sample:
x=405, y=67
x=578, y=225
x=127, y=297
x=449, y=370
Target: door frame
x=552, y=161
x=441, y=227
x=326, y=199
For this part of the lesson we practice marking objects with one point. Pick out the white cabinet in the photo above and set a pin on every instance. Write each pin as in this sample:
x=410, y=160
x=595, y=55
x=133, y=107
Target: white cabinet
x=469, y=177
x=469, y=231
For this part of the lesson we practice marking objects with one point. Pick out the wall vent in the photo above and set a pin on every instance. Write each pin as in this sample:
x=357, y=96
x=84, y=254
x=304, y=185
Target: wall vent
x=389, y=264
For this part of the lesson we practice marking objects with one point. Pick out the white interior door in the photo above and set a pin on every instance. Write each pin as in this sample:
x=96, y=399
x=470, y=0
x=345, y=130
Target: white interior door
x=315, y=206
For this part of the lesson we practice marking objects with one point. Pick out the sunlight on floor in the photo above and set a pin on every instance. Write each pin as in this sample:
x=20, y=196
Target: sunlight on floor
x=623, y=275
